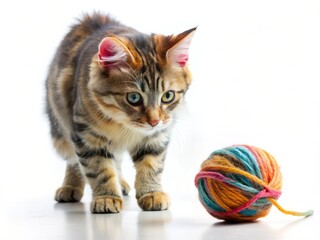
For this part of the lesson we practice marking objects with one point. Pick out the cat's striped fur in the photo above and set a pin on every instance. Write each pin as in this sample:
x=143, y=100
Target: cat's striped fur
x=108, y=91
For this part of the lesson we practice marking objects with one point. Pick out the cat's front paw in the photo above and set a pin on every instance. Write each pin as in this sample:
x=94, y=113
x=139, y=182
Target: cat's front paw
x=69, y=194
x=155, y=201
x=106, y=204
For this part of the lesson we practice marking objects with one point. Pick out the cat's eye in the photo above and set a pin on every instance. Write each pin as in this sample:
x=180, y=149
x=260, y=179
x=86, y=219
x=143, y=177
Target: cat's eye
x=168, y=97
x=134, y=98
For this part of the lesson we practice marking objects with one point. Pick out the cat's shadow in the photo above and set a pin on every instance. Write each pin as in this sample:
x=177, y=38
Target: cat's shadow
x=71, y=208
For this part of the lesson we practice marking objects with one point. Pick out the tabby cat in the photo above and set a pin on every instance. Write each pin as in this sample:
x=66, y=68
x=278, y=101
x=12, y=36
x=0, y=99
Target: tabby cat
x=112, y=89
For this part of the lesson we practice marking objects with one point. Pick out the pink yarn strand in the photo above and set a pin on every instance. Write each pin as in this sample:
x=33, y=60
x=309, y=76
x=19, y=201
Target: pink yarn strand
x=262, y=194
x=266, y=192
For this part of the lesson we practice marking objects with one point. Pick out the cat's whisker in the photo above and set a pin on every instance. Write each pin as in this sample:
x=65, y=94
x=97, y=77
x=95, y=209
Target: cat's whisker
x=180, y=140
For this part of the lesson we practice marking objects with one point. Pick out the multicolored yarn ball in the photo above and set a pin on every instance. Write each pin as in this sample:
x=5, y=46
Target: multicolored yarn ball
x=240, y=183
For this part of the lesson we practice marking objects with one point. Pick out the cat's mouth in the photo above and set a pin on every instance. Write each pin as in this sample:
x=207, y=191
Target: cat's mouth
x=148, y=129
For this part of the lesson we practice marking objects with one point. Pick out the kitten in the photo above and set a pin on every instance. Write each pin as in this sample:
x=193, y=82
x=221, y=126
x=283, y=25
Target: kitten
x=112, y=89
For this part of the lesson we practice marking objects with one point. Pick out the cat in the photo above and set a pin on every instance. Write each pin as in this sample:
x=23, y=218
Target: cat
x=111, y=89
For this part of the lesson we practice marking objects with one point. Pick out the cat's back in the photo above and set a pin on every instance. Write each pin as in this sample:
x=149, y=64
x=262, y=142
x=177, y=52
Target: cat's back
x=68, y=61
x=88, y=26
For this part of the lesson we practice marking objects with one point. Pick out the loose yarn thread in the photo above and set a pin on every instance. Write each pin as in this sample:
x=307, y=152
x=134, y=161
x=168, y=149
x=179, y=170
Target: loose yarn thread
x=241, y=183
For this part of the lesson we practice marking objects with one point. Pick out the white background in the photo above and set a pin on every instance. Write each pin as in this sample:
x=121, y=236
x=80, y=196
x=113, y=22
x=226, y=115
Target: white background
x=256, y=81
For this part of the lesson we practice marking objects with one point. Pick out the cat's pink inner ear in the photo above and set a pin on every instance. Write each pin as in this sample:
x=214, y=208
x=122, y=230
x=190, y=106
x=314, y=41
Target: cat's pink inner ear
x=179, y=53
x=111, y=53
x=182, y=59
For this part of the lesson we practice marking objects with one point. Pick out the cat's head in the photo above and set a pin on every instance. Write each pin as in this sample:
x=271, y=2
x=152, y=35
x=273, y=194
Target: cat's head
x=140, y=80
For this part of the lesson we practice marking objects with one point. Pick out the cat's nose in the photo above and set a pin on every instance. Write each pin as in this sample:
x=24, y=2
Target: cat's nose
x=154, y=122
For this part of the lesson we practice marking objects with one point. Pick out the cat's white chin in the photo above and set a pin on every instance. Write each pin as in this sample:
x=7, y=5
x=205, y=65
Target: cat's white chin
x=149, y=130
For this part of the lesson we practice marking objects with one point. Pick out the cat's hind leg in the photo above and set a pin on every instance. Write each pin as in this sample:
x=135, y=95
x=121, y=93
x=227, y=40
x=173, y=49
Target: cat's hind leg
x=125, y=187
x=74, y=183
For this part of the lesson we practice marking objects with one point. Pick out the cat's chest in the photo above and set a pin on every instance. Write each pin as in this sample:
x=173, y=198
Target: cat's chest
x=118, y=138
x=124, y=140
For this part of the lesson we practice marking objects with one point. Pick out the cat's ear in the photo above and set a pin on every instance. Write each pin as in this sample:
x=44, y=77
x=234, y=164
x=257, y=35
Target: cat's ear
x=179, y=53
x=112, y=53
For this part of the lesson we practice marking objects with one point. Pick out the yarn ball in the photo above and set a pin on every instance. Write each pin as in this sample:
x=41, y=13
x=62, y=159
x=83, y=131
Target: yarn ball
x=240, y=183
